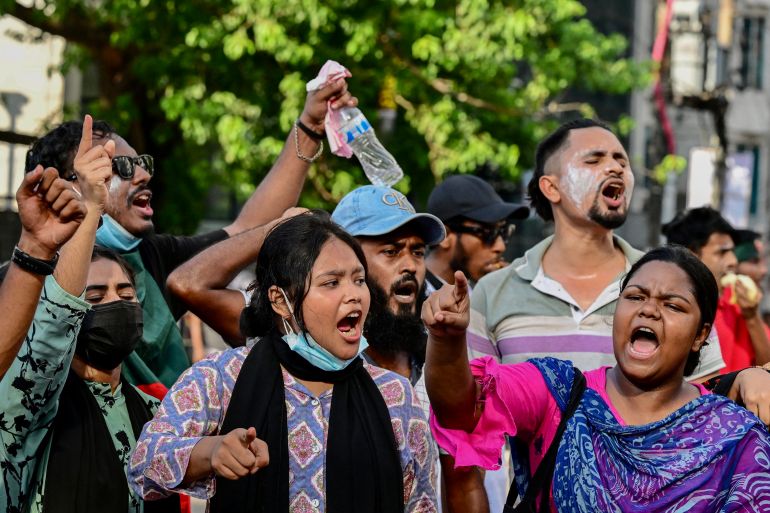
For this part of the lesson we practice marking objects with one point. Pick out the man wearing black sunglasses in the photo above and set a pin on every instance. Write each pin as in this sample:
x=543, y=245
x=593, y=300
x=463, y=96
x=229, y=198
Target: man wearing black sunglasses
x=478, y=224
x=128, y=228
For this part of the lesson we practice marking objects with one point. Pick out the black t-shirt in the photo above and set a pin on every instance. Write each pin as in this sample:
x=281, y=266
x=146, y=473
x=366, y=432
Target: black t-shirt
x=161, y=254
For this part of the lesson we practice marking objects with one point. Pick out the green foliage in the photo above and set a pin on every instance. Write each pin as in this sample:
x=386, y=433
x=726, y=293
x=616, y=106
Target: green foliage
x=213, y=86
x=670, y=165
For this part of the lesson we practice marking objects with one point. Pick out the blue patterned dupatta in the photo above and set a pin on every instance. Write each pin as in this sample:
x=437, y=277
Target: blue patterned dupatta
x=709, y=456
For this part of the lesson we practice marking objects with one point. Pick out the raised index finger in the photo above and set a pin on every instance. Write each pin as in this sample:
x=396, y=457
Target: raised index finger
x=460, y=291
x=87, y=135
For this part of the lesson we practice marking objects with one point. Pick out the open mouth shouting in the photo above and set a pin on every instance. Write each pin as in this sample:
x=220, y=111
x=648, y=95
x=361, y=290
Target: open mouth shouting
x=141, y=201
x=405, y=292
x=644, y=343
x=350, y=326
x=614, y=193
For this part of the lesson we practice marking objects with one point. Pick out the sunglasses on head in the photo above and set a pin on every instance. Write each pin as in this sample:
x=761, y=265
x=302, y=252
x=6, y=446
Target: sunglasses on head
x=487, y=234
x=125, y=167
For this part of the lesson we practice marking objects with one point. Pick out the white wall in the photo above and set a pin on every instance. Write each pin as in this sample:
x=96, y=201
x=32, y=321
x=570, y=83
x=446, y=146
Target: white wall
x=31, y=89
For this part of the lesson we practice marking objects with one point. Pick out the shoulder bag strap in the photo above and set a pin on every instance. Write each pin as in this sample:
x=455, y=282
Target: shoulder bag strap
x=540, y=484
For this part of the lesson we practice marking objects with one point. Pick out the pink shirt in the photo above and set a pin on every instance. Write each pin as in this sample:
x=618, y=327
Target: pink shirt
x=517, y=402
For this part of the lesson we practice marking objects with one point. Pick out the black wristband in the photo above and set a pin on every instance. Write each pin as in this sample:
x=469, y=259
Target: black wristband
x=310, y=132
x=32, y=264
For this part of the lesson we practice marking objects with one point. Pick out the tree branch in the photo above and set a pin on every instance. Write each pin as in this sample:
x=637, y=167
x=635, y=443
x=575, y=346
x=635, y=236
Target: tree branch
x=73, y=27
x=16, y=138
x=446, y=86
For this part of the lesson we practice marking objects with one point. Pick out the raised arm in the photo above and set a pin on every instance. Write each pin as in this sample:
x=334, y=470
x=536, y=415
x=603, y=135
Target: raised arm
x=53, y=212
x=451, y=387
x=201, y=282
x=281, y=187
x=93, y=167
x=50, y=212
x=32, y=383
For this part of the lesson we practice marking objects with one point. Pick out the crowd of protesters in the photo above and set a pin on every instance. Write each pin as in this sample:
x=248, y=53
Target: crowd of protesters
x=383, y=360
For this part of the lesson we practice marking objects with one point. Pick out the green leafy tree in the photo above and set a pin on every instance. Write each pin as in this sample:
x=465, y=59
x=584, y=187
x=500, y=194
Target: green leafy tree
x=212, y=87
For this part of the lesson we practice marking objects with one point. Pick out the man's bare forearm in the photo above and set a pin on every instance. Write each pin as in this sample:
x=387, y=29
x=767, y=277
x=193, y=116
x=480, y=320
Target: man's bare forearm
x=201, y=282
x=19, y=296
x=72, y=270
x=280, y=189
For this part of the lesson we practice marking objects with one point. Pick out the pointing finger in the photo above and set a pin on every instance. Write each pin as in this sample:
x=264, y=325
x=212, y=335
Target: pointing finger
x=461, y=286
x=87, y=135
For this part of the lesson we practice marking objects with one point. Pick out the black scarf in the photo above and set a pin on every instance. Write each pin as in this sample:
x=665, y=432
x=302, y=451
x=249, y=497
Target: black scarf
x=84, y=473
x=363, y=468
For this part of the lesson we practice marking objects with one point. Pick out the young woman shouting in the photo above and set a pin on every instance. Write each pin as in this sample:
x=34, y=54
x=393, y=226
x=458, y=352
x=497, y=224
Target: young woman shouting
x=641, y=438
x=295, y=421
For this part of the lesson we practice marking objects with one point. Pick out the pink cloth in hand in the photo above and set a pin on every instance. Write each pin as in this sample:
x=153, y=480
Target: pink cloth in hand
x=331, y=71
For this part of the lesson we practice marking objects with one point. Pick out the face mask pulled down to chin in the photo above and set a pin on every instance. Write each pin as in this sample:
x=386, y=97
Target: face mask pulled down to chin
x=110, y=332
x=305, y=345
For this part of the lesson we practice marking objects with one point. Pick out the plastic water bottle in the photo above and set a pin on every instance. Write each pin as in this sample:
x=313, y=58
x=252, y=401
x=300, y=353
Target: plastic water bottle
x=379, y=165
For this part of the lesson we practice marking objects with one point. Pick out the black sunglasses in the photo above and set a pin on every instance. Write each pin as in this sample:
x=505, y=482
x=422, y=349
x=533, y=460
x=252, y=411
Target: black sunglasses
x=124, y=166
x=487, y=234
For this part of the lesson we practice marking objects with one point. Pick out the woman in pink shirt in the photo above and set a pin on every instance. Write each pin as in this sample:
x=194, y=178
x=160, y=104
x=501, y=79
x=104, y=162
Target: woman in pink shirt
x=641, y=438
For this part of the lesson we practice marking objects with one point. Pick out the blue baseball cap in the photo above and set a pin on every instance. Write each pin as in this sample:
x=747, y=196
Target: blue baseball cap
x=372, y=211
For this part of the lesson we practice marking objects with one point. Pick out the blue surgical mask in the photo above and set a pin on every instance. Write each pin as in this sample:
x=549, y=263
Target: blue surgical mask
x=111, y=235
x=304, y=345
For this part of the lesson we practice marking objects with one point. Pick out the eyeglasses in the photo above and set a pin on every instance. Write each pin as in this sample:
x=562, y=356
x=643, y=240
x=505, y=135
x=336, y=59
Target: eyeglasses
x=125, y=166
x=487, y=234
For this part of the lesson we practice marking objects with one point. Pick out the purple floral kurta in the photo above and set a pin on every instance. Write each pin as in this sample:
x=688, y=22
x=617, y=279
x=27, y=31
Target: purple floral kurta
x=196, y=406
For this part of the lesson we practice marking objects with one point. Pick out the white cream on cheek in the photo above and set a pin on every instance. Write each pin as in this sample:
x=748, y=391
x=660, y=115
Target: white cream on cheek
x=115, y=184
x=577, y=182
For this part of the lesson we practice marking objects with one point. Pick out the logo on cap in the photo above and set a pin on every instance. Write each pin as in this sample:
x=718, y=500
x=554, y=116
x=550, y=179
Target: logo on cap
x=396, y=199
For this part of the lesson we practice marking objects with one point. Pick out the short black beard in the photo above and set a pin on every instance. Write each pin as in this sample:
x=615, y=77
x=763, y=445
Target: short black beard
x=610, y=220
x=393, y=333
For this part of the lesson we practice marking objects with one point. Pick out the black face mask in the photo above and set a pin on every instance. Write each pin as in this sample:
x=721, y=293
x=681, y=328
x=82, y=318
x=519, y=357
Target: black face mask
x=109, y=333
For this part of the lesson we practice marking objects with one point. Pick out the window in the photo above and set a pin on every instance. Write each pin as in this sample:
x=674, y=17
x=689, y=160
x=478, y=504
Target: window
x=751, y=42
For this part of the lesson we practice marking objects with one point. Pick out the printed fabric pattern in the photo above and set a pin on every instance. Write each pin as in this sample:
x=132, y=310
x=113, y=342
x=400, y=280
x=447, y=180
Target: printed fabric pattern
x=708, y=456
x=113, y=407
x=29, y=394
x=196, y=406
